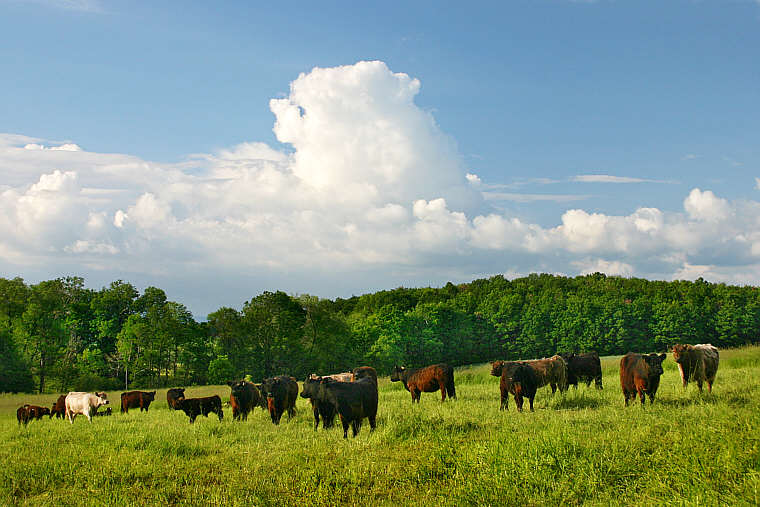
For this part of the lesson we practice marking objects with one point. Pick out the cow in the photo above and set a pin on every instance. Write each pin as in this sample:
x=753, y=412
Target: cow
x=353, y=401
x=135, y=399
x=585, y=368
x=281, y=395
x=550, y=371
x=338, y=377
x=263, y=397
x=59, y=408
x=106, y=412
x=36, y=412
x=173, y=397
x=428, y=379
x=520, y=380
x=698, y=363
x=364, y=372
x=83, y=403
x=22, y=414
x=640, y=373
x=313, y=390
x=193, y=407
x=244, y=397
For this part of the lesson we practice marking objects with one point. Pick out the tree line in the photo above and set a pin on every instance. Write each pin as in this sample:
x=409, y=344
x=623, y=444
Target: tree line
x=58, y=335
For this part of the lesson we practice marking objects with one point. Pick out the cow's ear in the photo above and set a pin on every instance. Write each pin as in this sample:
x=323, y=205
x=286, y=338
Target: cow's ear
x=663, y=357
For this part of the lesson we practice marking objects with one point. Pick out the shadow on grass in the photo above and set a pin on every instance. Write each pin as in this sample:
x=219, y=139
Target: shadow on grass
x=705, y=399
x=577, y=403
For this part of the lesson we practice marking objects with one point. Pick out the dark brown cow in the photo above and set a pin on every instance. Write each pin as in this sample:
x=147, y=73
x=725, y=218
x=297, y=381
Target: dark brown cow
x=59, y=408
x=281, y=395
x=173, y=397
x=640, y=373
x=353, y=401
x=320, y=406
x=22, y=414
x=698, y=363
x=520, y=380
x=106, y=412
x=135, y=399
x=244, y=397
x=550, y=371
x=585, y=368
x=193, y=407
x=364, y=372
x=428, y=380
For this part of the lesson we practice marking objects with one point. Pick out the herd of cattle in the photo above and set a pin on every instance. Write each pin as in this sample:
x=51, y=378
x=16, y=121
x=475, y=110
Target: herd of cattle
x=352, y=396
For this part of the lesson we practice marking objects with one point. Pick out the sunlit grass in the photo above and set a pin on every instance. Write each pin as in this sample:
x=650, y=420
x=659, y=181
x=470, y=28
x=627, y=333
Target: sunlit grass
x=583, y=447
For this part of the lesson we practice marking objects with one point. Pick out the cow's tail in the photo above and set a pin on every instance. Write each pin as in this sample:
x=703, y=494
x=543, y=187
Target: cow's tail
x=450, y=389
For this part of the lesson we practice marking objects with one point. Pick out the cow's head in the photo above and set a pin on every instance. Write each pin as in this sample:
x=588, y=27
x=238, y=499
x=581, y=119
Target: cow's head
x=311, y=387
x=655, y=363
x=149, y=396
x=496, y=368
x=100, y=401
x=396, y=373
x=102, y=394
x=680, y=352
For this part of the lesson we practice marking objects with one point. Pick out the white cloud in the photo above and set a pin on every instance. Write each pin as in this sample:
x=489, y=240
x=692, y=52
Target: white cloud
x=605, y=178
x=372, y=195
x=757, y=180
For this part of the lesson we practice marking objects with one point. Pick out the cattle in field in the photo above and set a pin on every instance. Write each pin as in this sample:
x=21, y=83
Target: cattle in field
x=520, y=380
x=22, y=414
x=193, y=407
x=583, y=368
x=244, y=397
x=59, y=408
x=550, y=371
x=353, y=401
x=83, y=403
x=640, y=373
x=364, y=372
x=36, y=412
x=281, y=395
x=173, y=397
x=698, y=363
x=313, y=389
x=136, y=399
x=426, y=380
x=106, y=412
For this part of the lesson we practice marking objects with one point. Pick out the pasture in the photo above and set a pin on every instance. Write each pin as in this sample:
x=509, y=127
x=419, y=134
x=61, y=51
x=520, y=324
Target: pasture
x=583, y=447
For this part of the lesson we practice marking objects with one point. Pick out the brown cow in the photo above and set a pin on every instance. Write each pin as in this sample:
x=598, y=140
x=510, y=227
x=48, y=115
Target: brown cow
x=281, y=395
x=428, y=380
x=244, y=397
x=193, y=407
x=364, y=372
x=173, y=397
x=550, y=371
x=36, y=412
x=698, y=363
x=22, y=414
x=135, y=399
x=59, y=408
x=640, y=373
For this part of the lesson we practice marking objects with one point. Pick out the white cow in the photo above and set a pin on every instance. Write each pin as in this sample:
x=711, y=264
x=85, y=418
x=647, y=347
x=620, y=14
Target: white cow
x=83, y=403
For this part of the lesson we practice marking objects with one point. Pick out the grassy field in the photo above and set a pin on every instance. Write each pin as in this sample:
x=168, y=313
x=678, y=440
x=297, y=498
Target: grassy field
x=583, y=447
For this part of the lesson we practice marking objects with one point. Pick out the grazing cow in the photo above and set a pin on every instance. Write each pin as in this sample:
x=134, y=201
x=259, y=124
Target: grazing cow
x=173, y=397
x=640, y=373
x=281, y=394
x=585, y=368
x=244, y=397
x=428, y=379
x=320, y=406
x=353, y=401
x=106, y=412
x=364, y=372
x=22, y=414
x=193, y=407
x=83, y=403
x=549, y=371
x=59, y=408
x=698, y=363
x=36, y=412
x=135, y=399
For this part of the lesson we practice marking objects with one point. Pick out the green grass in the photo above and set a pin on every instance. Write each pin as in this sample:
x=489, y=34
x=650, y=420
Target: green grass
x=581, y=448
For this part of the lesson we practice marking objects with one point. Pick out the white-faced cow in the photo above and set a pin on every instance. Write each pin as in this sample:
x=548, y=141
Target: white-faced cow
x=83, y=403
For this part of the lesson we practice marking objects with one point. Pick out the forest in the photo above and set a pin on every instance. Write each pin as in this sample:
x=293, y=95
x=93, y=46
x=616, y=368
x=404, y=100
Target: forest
x=58, y=335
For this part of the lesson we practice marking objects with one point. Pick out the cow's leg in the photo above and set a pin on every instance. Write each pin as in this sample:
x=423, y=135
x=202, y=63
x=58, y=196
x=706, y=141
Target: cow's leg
x=518, y=402
x=372, y=422
x=344, y=421
x=355, y=426
x=531, y=404
x=598, y=382
x=625, y=395
x=699, y=384
x=554, y=387
x=709, y=386
x=642, y=396
x=504, y=402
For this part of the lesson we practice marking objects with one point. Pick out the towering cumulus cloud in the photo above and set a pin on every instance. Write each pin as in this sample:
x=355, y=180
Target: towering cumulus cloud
x=368, y=192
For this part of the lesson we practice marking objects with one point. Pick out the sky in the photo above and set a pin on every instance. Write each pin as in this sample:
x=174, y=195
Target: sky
x=336, y=149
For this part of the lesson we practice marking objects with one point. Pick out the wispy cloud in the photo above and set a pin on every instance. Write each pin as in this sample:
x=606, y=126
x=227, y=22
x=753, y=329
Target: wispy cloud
x=505, y=196
x=606, y=178
x=691, y=156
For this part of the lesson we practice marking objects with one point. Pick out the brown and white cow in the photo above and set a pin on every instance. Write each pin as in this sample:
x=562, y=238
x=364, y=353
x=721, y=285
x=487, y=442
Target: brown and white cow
x=83, y=403
x=640, y=373
x=551, y=371
x=698, y=363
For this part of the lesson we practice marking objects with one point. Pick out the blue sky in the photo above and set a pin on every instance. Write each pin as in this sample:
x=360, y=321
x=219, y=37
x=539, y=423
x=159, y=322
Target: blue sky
x=571, y=117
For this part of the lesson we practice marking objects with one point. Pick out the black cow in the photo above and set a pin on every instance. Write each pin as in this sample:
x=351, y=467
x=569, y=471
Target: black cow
x=353, y=401
x=320, y=406
x=585, y=368
x=193, y=407
x=244, y=397
x=520, y=380
x=281, y=393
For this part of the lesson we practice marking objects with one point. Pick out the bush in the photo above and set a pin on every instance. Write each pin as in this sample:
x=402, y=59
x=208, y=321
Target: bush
x=220, y=370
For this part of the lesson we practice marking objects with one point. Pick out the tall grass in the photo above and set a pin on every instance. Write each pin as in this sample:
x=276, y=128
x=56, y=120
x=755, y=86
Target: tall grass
x=583, y=447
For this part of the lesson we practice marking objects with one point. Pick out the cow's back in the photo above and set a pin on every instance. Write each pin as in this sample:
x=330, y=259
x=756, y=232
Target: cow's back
x=710, y=358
